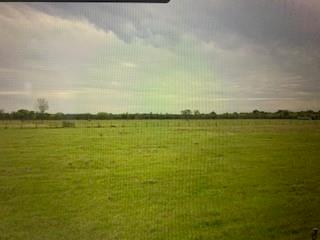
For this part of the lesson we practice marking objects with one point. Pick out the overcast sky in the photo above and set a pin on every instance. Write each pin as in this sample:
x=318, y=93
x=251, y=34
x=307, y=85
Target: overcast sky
x=211, y=55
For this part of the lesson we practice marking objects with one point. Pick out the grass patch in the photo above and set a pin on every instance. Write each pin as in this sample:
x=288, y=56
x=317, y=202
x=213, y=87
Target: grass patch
x=241, y=179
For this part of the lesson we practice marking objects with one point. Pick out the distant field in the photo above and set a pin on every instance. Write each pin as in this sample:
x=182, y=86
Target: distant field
x=224, y=179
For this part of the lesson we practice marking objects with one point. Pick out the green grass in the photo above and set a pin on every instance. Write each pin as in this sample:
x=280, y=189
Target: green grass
x=240, y=179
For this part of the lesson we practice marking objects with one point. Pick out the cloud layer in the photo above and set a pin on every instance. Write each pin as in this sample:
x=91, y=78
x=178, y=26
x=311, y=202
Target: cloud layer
x=217, y=55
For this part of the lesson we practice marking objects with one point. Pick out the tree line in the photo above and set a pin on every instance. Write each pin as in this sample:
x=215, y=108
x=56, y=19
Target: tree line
x=42, y=106
x=24, y=114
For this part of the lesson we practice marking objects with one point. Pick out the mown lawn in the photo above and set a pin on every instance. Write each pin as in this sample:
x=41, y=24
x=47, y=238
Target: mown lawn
x=240, y=179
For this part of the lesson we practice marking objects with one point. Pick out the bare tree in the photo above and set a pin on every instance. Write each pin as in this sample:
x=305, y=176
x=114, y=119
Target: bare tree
x=42, y=105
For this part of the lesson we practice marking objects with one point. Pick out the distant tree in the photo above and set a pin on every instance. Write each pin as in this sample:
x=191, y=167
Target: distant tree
x=186, y=113
x=58, y=116
x=196, y=112
x=213, y=115
x=103, y=115
x=2, y=114
x=124, y=115
x=255, y=114
x=23, y=114
x=42, y=105
x=283, y=114
x=255, y=111
x=234, y=115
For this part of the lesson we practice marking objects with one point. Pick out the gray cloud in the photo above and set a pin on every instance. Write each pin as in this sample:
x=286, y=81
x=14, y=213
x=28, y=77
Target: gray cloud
x=292, y=22
x=263, y=52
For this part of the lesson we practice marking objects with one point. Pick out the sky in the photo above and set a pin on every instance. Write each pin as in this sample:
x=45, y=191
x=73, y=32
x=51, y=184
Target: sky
x=209, y=55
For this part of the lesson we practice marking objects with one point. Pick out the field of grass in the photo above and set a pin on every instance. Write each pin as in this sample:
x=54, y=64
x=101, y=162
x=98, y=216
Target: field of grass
x=241, y=179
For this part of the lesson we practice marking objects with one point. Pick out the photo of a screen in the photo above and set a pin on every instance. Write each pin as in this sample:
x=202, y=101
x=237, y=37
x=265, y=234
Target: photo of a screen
x=160, y=120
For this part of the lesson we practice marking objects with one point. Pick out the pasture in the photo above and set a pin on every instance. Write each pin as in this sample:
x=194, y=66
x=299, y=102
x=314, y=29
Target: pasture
x=134, y=180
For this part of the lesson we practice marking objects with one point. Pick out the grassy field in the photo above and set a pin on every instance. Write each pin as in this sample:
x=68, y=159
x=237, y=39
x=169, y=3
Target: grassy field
x=241, y=179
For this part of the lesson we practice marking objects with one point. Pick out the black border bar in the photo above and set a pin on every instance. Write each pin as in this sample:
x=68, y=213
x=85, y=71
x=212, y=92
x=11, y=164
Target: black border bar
x=93, y=1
